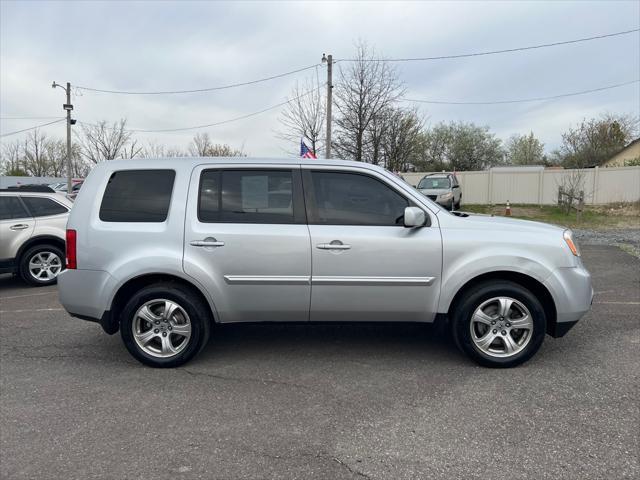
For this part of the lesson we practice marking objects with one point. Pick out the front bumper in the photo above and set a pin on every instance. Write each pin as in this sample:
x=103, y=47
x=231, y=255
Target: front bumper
x=445, y=203
x=573, y=294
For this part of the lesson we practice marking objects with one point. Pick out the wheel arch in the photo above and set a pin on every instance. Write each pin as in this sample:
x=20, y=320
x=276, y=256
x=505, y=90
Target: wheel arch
x=132, y=285
x=526, y=281
x=40, y=240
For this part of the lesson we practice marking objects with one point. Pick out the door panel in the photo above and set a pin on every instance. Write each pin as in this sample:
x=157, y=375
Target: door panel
x=16, y=227
x=387, y=274
x=376, y=270
x=255, y=272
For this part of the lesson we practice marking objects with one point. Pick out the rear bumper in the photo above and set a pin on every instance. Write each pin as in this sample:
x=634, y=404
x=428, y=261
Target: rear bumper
x=573, y=294
x=108, y=323
x=84, y=294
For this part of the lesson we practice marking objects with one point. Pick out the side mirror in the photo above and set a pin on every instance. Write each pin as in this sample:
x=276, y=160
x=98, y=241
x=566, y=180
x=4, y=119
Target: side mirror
x=414, y=217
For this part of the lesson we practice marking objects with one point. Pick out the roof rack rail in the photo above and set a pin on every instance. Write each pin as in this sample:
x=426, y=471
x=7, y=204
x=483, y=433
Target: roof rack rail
x=29, y=188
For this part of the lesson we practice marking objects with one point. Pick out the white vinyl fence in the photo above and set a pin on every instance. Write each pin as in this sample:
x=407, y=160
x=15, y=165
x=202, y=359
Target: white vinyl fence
x=540, y=187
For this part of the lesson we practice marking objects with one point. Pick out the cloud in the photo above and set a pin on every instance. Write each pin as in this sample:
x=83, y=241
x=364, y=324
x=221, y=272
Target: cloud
x=183, y=45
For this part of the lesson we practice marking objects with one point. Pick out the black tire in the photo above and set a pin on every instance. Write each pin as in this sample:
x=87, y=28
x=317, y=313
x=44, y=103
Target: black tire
x=26, y=257
x=197, y=310
x=475, y=297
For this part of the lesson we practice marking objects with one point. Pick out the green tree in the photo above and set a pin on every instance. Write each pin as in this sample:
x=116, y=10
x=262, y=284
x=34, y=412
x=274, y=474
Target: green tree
x=524, y=150
x=461, y=146
x=596, y=140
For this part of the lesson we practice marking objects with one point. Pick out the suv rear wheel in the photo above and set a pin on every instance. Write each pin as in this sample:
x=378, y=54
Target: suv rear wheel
x=499, y=324
x=40, y=265
x=165, y=325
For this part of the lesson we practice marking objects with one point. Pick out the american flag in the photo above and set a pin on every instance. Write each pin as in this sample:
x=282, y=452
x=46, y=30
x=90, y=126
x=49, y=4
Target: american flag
x=305, y=152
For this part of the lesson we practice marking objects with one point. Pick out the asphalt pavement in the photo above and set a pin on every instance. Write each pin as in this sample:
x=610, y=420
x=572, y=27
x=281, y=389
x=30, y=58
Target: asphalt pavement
x=304, y=401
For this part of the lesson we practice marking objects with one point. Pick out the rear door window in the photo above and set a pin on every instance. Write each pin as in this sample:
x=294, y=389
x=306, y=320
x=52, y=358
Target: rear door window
x=249, y=196
x=11, y=207
x=137, y=196
x=43, y=207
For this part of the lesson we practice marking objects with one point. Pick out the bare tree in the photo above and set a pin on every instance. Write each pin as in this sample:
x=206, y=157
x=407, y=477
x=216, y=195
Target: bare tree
x=367, y=87
x=158, y=150
x=402, y=140
x=571, y=188
x=35, y=159
x=79, y=165
x=12, y=158
x=102, y=142
x=55, y=151
x=131, y=150
x=304, y=115
x=202, y=146
x=374, y=134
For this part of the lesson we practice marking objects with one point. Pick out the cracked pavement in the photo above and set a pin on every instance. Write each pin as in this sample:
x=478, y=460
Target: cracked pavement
x=321, y=401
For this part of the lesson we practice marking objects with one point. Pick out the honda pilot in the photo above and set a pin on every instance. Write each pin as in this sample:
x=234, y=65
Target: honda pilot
x=160, y=250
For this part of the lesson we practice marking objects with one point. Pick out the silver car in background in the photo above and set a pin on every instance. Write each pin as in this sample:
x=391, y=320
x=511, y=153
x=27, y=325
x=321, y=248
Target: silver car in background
x=161, y=249
x=442, y=188
x=32, y=233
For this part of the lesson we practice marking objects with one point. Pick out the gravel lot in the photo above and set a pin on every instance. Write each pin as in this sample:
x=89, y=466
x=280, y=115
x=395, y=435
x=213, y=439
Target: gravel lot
x=630, y=236
x=370, y=401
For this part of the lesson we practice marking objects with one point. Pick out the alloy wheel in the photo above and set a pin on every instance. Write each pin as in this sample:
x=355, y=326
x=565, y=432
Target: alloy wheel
x=161, y=328
x=45, y=266
x=501, y=327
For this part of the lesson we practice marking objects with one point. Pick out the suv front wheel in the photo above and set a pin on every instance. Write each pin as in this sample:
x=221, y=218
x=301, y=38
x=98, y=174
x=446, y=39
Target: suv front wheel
x=164, y=325
x=499, y=324
x=40, y=265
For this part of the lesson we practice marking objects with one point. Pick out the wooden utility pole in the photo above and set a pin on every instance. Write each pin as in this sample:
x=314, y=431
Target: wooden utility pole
x=329, y=61
x=68, y=107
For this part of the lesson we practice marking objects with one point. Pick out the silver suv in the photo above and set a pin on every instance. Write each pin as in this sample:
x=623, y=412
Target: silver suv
x=32, y=234
x=161, y=249
x=442, y=188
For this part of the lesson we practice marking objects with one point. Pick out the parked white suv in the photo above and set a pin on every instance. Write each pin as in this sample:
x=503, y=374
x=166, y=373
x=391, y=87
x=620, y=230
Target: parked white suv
x=32, y=233
x=160, y=249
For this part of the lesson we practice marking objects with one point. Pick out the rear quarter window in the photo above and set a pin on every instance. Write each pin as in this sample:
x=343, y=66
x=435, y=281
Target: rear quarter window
x=137, y=196
x=43, y=207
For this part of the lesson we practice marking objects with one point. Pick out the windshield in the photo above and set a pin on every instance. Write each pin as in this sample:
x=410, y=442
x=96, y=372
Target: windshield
x=434, y=183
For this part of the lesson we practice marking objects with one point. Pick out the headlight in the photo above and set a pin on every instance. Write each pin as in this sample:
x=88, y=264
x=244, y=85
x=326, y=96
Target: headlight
x=445, y=196
x=568, y=238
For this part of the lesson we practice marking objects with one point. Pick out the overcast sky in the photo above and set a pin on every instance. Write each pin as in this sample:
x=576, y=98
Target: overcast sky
x=154, y=45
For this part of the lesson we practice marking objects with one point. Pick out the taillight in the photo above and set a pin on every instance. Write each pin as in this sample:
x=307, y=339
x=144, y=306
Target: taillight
x=72, y=262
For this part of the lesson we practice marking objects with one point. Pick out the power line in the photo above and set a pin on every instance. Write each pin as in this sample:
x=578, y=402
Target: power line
x=208, y=89
x=28, y=118
x=215, y=124
x=32, y=128
x=523, y=100
x=491, y=52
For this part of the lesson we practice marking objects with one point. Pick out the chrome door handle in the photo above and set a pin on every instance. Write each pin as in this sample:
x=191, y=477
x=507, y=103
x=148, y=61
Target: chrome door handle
x=20, y=226
x=333, y=246
x=207, y=243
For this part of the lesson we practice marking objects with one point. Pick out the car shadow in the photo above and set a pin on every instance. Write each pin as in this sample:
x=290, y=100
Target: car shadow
x=302, y=341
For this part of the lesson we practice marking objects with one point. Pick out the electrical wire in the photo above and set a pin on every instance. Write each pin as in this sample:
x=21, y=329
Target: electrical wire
x=215, y=124
x=491, y=52
x=198, y=90
x=28, y=118
x=32, y=128
x=522, y=100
